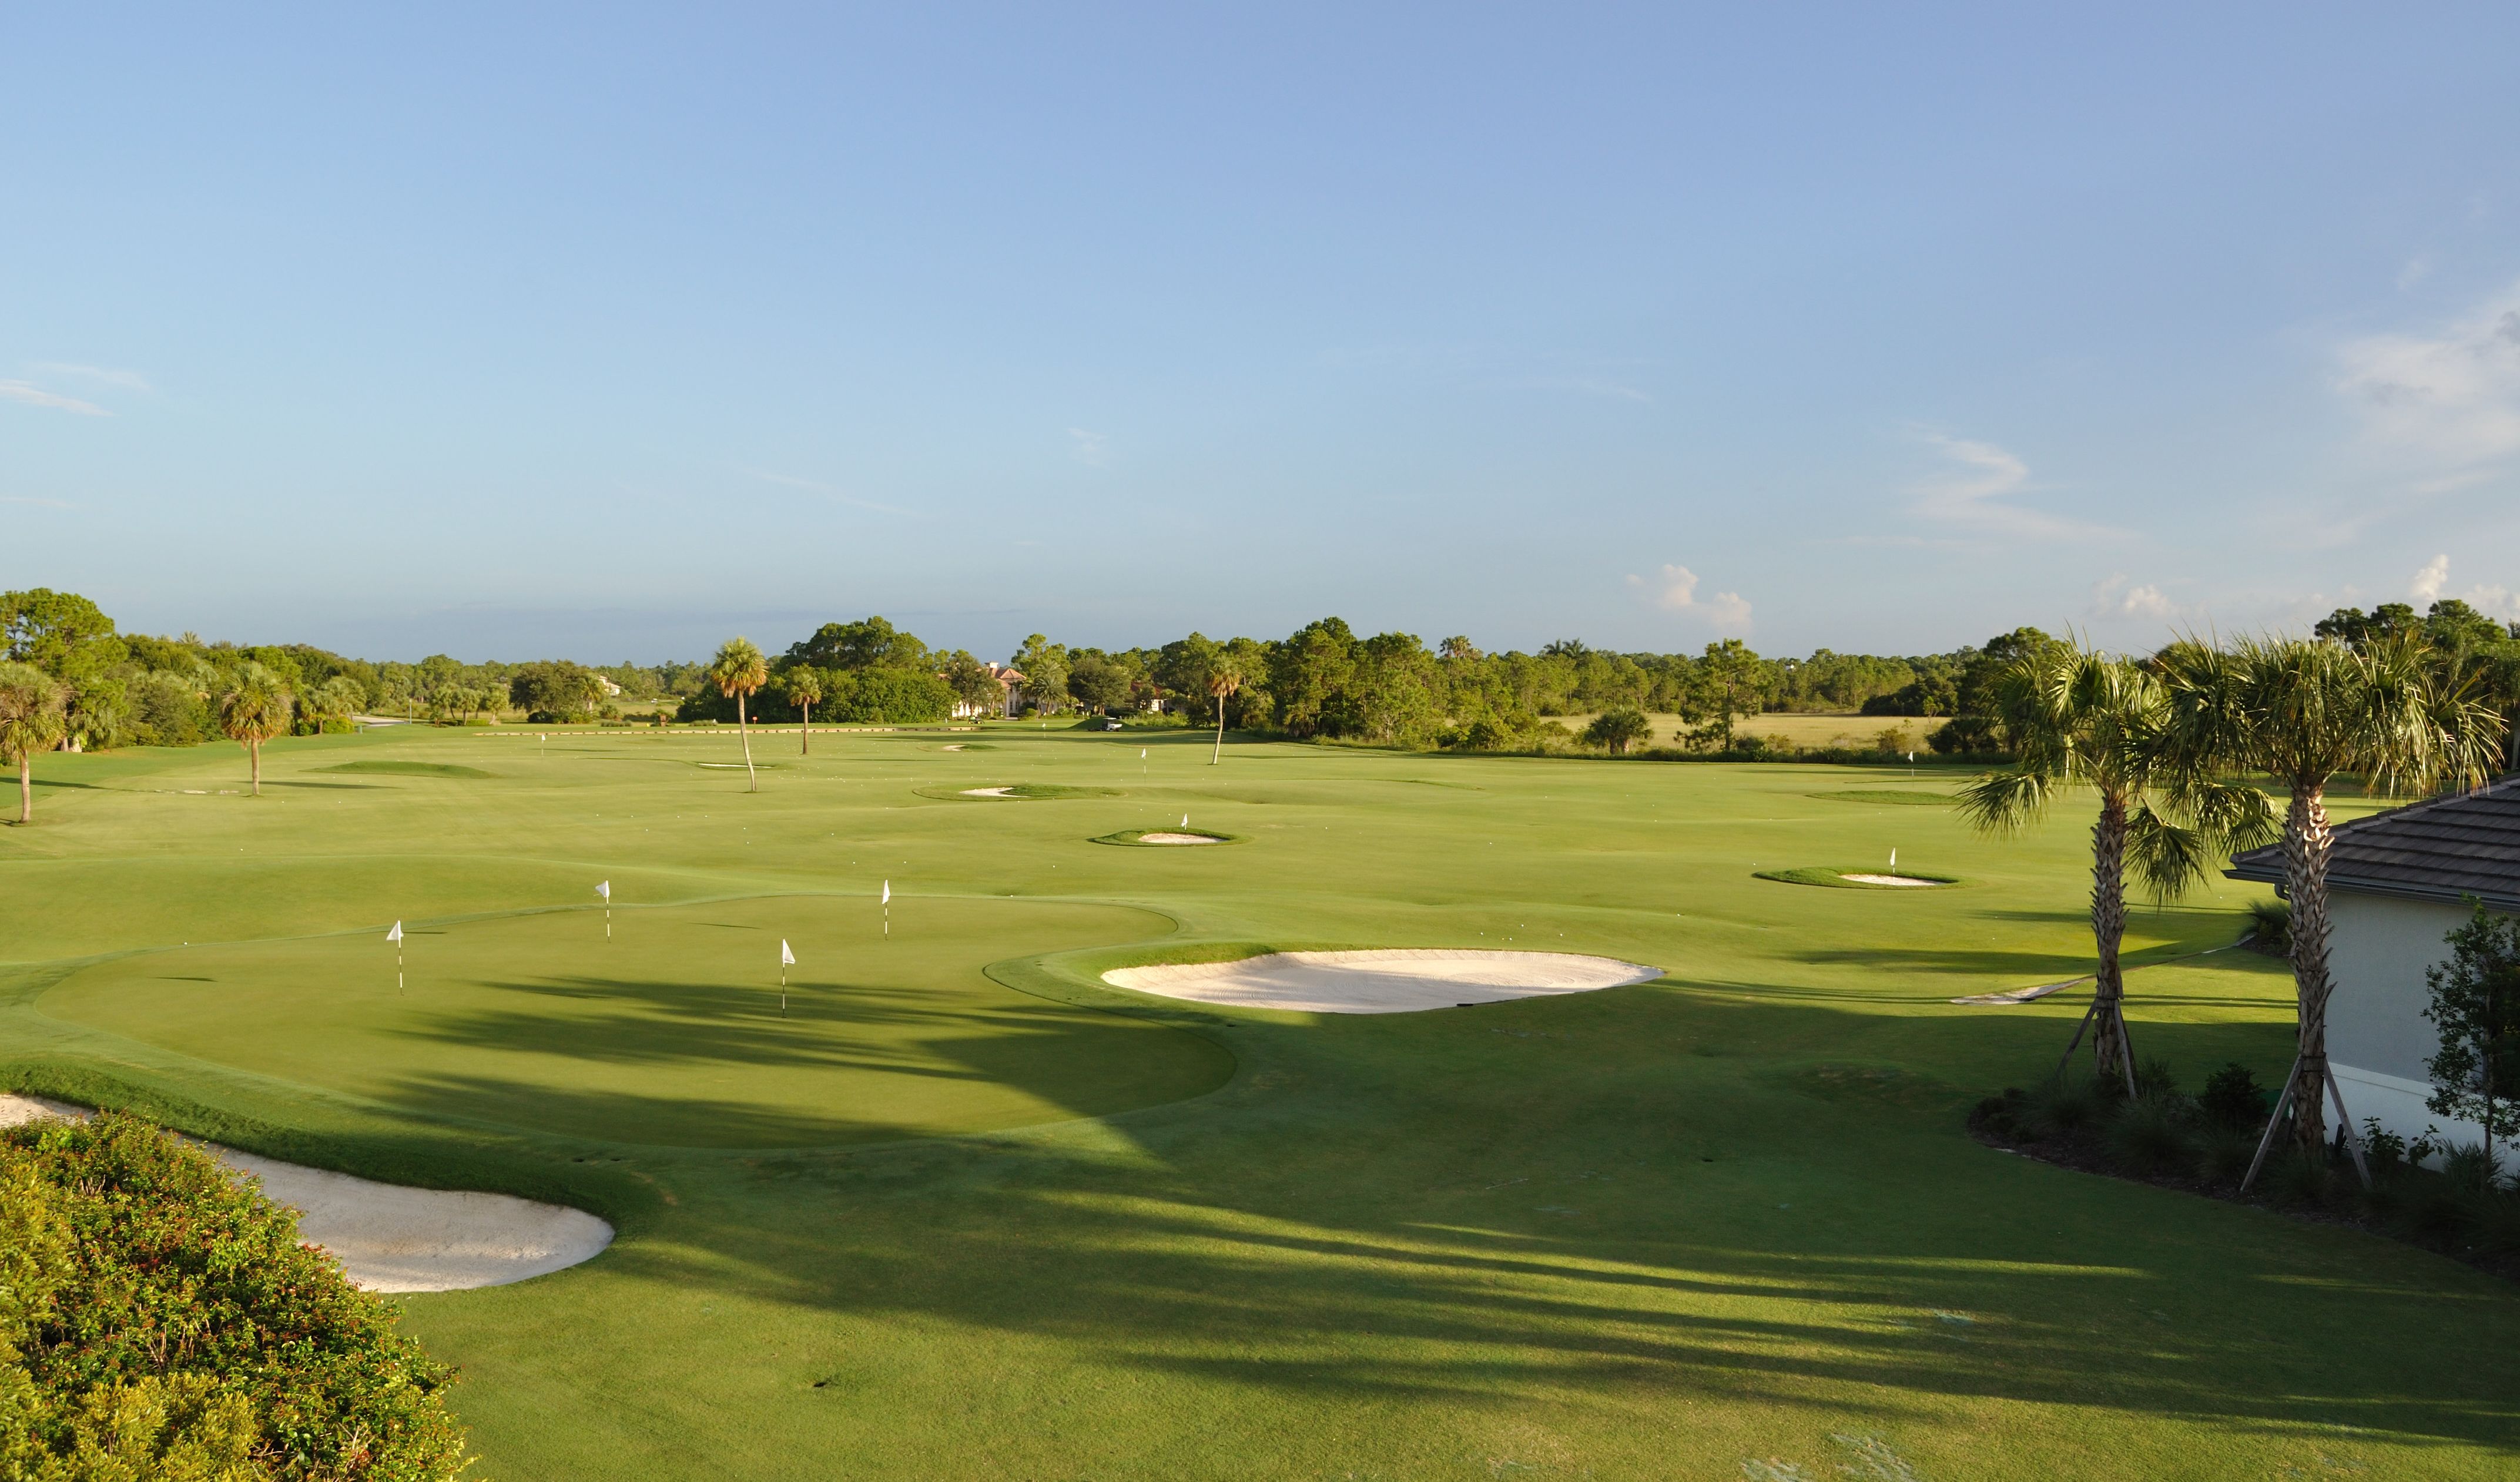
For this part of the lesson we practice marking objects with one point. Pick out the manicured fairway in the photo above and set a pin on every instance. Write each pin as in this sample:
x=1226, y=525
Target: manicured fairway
x=1725, y=1223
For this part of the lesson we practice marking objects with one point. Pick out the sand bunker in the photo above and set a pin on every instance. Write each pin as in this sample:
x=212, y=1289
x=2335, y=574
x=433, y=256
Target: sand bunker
x=988, y=792
x=1888, y=879
x=391, y=1238
x=1381, y=982
x=1179, y=838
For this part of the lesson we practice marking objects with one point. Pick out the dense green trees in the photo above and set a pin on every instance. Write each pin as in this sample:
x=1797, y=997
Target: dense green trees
x=555, y=690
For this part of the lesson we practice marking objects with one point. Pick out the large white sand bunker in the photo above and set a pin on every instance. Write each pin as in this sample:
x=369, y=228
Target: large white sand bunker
x=1890, y=879
x=1179, y=838
x=1381, y=982
x=391, y=1238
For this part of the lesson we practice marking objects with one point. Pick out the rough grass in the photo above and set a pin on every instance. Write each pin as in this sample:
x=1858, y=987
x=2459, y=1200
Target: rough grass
x=1672, y=1230
x=1888, y=796
x=391, y=766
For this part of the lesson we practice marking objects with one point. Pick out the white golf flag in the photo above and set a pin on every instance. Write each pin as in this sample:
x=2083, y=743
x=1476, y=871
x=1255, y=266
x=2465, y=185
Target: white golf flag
x=604, y=888
x=1184, y=820
x=1894, y=859
x=1142, y=753
x=888, y=892
x=787, y=959
x=395, y=934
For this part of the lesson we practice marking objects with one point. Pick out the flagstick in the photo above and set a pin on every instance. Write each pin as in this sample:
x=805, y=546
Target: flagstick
x=783, y=989
x=398, y=967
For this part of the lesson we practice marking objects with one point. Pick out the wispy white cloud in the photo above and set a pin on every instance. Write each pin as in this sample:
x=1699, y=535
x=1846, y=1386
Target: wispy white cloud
x=34, y=395
x=1675, y=590
x=814, y=486
x=2419, y=268
x=1088, y=446
x=1975, y=487
x=2448, y=397
x=129, y=380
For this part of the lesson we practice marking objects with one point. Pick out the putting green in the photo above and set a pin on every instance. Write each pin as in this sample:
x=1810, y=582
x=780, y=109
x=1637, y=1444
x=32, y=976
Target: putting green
x=672, y=1033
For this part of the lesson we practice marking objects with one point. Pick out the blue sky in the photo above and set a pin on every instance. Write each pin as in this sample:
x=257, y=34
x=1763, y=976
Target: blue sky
x=608, y=332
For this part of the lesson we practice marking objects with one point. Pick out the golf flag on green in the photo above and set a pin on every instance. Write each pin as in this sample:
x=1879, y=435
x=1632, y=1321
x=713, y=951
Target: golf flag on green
x=888, y=908
x=395, y=936
x=787, y=960
x=604, y=888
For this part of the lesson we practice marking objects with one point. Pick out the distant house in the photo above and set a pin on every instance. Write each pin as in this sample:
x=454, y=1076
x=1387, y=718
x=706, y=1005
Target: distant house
x=610, y=688
x=2398, y=882
x=1009, y=698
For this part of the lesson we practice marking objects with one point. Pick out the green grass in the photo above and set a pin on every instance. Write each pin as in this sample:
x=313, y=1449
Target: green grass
x=388, y=767
x=1889, y=795
x=969, y=1213
x=1834, y=876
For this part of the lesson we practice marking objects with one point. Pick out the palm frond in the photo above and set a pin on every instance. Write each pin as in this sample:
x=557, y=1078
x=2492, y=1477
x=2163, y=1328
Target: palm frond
x=2003, y=802
x=2168, y=860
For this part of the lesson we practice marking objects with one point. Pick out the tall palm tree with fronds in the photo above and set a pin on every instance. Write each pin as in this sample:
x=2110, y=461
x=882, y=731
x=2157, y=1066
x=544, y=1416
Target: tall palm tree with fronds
x=803, y=687
x=2305, y=710
x=2086, y=720
x=1224, y=678
x=737, y=671
x=254, y=709
x=32, y=718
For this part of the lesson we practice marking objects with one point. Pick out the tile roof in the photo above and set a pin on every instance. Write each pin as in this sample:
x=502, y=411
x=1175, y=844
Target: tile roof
x=2442, y=849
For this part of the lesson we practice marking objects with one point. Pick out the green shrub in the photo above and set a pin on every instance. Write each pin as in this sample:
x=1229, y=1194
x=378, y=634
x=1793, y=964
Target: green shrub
x=2149, y=1136
x=2063, y=1106
x=2233, y=1096
x=2271, y=926
x=2224, y=1152
x=159, y=1321
x=2290, y=1178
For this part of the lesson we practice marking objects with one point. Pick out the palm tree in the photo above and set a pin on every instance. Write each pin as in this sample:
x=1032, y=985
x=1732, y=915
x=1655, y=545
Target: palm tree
x=253, y=711
x=2305, y=710
x=803, y=687
x=32, y=719
x=1224, y=678
x=2083, y=719
x=737, y=671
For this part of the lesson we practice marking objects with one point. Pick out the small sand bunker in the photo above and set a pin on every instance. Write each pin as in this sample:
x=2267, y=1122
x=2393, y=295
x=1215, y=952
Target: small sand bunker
x=1179, y=838
x=1889, y=879
x=952, y=747
x=1381, y=982
x=988, y=792
x=391, y=1238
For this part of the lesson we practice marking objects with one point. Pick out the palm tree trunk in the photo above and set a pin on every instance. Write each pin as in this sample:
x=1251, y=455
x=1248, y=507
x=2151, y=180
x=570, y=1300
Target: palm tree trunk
x=253, y=749
x=2108, y=930
x=25, y=788
x=746, y=736
x=2307, y=843
x=805, y=732
x=1220, y=733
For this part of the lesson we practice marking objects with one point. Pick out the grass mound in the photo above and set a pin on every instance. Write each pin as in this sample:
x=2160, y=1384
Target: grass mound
x=1167, y=839
x=1015, y=792
x=386, y=767
x=1837, y=877
x=1887, y=795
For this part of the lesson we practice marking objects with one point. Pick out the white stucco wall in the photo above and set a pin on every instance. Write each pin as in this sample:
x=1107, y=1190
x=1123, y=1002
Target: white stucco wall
x=2378, y=1039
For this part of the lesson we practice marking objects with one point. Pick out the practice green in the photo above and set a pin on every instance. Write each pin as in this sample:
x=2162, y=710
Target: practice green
x=1723, y=1224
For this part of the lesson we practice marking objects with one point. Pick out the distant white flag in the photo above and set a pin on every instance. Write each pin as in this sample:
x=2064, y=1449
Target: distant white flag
x=604, y=888
x=888, y=892
x=787, y=959
x=1184, y=820
x=1142, y=753
x=395, y=934
x=1894, y=859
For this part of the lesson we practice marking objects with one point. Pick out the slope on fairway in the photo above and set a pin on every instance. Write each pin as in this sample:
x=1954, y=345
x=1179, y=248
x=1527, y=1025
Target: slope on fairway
x=671, y=1034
